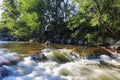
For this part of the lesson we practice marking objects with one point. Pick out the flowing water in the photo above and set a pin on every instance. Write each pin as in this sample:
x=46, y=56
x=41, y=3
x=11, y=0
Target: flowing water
x=15, y=67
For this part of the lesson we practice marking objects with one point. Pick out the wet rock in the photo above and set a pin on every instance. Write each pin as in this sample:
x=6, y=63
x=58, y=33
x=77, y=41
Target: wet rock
x=114, y=46
x=100, y=51
x=4, y=71
x=106, y=51
x=9, y=62
x=32, y=40
x=47, y=44
x=60, y=55
x=69, y=41
x=6, y=62
x=109, y=41
x=118, y=45
x=99, y=41
x=118, y=42
x=12, y=59
x=39, y=56
x=80, y=42
x=110, y=64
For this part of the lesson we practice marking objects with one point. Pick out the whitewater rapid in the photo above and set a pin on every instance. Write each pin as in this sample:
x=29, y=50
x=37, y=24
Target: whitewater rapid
x=104, y=68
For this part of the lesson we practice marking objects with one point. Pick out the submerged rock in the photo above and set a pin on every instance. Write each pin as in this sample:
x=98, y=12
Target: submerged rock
x=59, y=55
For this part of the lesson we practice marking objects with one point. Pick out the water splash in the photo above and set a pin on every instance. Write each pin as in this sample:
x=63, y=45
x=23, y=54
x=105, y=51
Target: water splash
x=80, y=69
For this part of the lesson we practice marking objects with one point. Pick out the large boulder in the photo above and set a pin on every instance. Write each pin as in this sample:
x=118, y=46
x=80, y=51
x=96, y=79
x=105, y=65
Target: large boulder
x=109, y=41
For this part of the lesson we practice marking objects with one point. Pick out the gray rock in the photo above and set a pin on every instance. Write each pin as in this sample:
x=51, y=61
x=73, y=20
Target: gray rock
x=39, y=56
x=4, y=71
x=118, y=44
x=109, y=41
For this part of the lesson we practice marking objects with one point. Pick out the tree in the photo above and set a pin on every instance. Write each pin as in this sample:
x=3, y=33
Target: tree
x=95, y=17
x=106, y=13
x=21, y=17
x=29, y=23
x=9, y=15
x=55, y=13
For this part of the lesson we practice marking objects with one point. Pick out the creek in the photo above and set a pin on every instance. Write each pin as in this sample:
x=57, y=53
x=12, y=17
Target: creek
x=17, y=63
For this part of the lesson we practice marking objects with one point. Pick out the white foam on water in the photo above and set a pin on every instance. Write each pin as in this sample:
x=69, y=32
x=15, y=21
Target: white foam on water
x=28, y=69
x=2, y=51
x=110, y=61
x=10, y=78
x=54, y=71
x=6, y=56
x=105, y=58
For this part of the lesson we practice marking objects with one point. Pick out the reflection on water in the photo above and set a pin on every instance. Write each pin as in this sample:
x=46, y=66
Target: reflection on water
x=25, y=47
x=21, y=47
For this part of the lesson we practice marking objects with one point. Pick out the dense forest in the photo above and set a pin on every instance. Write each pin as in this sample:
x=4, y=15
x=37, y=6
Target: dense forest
x=61, y=20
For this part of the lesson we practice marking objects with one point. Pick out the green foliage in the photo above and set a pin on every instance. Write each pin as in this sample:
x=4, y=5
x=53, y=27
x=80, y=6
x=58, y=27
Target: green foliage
x=91, y=36
x=30, y=20
x=21, y=18
x=95, y=17
x=105, y=13
x=76, y=19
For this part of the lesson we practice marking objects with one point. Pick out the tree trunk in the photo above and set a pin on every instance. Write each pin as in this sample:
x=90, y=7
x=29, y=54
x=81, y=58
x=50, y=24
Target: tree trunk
x=111, y=32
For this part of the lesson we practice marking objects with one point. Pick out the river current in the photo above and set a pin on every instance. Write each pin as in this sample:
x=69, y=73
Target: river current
x=14, y=66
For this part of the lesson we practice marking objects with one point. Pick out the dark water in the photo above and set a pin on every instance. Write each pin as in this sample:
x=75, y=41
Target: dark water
x=31, y=48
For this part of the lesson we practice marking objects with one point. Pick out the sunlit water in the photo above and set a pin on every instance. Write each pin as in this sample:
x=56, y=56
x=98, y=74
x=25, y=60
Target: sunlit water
x=103, y=68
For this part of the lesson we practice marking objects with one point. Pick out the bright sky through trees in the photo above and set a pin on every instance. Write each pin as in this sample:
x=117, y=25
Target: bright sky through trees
x=0, y=7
